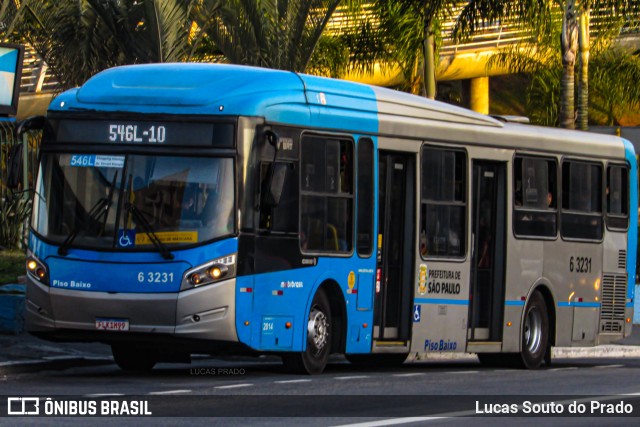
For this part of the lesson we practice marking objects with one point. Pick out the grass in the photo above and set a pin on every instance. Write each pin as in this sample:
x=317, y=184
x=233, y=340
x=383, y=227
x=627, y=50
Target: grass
x=11, y=266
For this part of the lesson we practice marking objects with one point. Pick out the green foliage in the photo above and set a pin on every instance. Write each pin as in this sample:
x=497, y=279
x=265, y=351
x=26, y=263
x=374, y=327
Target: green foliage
x=330, y=58
x=11, y=14
x=78, y=38
x=539, y=58
x=14, y=212
x=614, y=85
x=12, y=265
x=281, y=34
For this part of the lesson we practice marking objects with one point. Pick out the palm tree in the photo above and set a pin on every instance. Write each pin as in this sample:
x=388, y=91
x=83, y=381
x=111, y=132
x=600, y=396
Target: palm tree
x=11, y=12
x=611, y=16
x=280, y=34
x=540, y=13
x=613, y=75
x=80, y=38
x=404, y=33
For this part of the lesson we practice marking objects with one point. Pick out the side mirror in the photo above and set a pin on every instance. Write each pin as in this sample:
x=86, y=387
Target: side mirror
x=275, y=184
x=16, y=159
x=31, y=123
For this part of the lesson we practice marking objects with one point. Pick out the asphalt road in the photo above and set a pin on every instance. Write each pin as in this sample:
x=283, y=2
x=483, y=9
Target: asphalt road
x=259, y=392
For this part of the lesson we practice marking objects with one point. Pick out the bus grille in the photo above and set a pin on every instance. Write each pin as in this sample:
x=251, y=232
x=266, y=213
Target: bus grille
x=622, y=259
x=614, y=297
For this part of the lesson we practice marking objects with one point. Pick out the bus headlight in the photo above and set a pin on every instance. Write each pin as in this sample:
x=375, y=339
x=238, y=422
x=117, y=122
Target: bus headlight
x=37, y=270
x=211, y=272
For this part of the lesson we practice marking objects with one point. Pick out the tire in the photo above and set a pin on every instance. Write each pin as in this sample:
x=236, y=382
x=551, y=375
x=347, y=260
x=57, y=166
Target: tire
x=535, y=332
x=314, y=359
x=387, y=360
x=132, y=359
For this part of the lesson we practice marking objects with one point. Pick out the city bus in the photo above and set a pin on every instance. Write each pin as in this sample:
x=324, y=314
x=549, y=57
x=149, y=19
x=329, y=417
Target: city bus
x=189, y=209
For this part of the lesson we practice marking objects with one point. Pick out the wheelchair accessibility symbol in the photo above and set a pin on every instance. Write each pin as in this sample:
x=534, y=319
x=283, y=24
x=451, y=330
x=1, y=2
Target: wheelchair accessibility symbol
x=126, y=238
x=416, y=313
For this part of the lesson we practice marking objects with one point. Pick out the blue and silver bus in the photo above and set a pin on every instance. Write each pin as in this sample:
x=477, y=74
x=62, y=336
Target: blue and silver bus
x=201, y=208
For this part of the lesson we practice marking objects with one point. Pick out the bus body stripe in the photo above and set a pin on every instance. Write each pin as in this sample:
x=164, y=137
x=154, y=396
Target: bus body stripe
x=514, y=303
x=579, y=304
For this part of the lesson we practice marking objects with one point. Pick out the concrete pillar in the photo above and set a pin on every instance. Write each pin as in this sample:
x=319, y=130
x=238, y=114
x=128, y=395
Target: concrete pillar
x=479, y=97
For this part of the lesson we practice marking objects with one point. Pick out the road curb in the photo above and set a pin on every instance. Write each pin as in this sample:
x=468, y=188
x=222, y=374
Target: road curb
x=602, y=351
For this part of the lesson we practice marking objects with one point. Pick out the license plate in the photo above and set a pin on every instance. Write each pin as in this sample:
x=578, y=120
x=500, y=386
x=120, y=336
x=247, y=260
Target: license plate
x=112, y=324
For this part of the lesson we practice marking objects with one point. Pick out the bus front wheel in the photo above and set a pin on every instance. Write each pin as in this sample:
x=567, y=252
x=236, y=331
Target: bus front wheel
x=535, y=332
x=319, y=333
x=132, y=359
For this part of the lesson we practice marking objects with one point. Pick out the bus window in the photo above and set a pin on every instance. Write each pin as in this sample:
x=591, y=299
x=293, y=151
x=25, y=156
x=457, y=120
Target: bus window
x=534, y=197
x=365, y=197
x=617, y=197
x=443, y=207
x=581, y=200
x=326, y=207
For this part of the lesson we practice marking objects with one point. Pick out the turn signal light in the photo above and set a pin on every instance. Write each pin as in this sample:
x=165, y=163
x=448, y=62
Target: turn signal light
x=196, y=279
x=37, y=270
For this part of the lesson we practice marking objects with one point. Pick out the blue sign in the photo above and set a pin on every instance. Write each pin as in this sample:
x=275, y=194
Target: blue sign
x=126, y=238
x=416, y=313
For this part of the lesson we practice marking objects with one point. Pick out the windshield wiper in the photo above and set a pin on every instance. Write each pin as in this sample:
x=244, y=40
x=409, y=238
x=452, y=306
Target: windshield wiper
x=100, y=208
x=148, y=229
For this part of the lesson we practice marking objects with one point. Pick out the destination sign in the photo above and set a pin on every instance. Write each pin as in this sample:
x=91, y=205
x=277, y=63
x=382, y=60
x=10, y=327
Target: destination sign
x=145, y=133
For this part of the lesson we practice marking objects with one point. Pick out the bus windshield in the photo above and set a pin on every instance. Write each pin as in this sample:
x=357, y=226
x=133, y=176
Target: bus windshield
x=117, y=201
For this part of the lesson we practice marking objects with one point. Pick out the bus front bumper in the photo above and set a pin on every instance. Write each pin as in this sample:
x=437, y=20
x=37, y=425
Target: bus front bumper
x=204, y=313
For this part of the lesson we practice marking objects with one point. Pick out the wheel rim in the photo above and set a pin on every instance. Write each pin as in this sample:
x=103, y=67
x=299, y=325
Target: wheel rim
x=317, y=330
x=533, y=330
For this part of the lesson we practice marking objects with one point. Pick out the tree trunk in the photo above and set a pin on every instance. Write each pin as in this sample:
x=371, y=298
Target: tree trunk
x=583, y=82
x=569, y=45
x=429, y=65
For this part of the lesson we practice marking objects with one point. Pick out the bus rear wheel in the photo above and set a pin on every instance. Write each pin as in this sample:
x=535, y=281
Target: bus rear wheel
x=535, y=332
x=319, y=333
x=132, y=359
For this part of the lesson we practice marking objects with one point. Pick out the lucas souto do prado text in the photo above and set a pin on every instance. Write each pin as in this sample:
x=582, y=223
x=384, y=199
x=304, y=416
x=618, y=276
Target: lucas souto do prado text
x=527, y=407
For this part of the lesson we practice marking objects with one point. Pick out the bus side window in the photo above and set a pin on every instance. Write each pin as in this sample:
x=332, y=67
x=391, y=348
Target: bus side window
x=581, y=200
x=443, y=206
x=534, y=197
x=326, y=196
x=365, y=202
x=617, y=197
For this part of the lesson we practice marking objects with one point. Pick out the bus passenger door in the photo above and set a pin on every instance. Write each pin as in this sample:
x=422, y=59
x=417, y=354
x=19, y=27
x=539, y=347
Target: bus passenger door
x=486, y=299
x=396, y=220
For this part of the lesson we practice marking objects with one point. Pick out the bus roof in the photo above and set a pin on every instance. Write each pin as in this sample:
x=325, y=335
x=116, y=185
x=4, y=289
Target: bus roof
x=310, y=101
x=196, y=88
